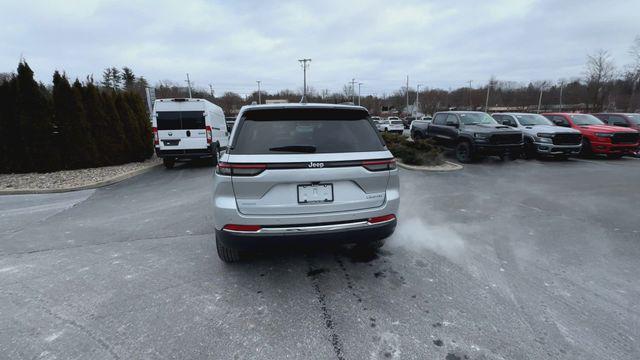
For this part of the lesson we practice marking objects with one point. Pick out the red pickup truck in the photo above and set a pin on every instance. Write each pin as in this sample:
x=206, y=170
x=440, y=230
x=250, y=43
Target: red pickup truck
x=597, y=137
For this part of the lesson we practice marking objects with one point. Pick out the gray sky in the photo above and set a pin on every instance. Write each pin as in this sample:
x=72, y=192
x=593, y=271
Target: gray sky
x=233, y=43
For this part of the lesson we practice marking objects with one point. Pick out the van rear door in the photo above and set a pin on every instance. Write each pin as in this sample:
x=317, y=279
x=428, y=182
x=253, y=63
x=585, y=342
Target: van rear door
x=181, y=130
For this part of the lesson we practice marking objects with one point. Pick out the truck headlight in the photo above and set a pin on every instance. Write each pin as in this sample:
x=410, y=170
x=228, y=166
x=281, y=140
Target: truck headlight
x=545, y=137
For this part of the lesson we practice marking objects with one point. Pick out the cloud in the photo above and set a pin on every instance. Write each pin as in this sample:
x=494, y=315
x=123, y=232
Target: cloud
x=233, y=43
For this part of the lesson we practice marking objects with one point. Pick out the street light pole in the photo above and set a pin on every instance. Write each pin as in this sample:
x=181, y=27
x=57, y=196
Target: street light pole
x=470, y=105
x=359, y=85
x=353, y=90
x=259, y=93
x=305, y=65
x=211, y=89
x=407, y=93
x=189, y=85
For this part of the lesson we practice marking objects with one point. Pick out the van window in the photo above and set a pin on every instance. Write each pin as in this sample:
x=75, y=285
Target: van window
x=336, y=132
x=168, y=120
x=193, y=120
x=178, y=120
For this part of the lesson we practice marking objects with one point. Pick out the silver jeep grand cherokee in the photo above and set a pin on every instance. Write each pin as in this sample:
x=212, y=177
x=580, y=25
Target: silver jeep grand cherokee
x=304, y=172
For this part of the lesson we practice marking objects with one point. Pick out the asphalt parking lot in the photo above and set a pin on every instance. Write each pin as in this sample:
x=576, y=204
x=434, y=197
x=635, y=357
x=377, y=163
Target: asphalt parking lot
x=501, y=260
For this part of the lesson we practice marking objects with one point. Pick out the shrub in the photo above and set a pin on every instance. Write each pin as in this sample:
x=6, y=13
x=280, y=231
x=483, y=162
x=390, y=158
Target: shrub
x=419, y=152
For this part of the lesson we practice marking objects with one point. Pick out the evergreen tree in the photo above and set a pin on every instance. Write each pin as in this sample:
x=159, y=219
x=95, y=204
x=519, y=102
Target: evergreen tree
x=35, y=127
x=128, y=78
x=98, y=125
x=76, y=146
x=130, y=126
x=8, y=128
x=143, y=121
x=115, y=131
x=116, y=78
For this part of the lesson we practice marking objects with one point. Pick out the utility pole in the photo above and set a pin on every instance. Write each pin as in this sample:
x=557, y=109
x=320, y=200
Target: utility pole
x=417, y=105
x=540, y=98
x=189, y=85
x=486, y=103
x=407, y=93
x=359, y=85
x=561, y=87
x=353, y=90
x=211, y=89
x=305, y=65
x=259, y=94
x=470, y=105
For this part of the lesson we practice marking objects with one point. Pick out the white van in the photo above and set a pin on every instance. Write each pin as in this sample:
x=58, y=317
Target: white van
x=188, y=129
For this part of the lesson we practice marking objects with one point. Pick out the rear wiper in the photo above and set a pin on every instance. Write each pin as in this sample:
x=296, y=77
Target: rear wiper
x=295, y=148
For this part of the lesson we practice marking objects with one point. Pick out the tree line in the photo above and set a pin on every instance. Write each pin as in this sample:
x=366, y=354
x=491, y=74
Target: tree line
x=69, y=125
x=602, y=87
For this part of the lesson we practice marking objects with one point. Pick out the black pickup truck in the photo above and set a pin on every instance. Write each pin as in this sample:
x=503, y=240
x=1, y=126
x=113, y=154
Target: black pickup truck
x=471, y=133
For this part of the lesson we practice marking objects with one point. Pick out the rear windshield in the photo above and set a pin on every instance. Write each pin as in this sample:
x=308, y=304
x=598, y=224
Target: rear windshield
x=177, y=120
x=310, y=131
x=396, y=122
x=635, y=118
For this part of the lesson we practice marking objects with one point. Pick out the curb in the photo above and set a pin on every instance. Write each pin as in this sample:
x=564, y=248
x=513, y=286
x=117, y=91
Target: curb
x=96, y=185
x=448, y=166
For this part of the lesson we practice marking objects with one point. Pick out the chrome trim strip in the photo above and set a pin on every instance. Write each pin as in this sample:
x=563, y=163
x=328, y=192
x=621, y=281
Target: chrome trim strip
x=311, y=228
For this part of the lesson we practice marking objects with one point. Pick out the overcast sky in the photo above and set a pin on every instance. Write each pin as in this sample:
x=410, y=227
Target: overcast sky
x=231, y=44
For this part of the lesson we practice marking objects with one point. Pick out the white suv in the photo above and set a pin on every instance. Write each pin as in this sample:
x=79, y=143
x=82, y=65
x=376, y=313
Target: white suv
x=391, y=124
x=304, y=172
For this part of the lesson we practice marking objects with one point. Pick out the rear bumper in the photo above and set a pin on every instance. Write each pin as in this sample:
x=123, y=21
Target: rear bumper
x=551, y=149
x=359, y=232
x=185, y=153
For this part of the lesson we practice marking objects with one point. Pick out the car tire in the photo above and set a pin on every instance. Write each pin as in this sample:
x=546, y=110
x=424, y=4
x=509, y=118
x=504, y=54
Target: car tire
x=226, y=254
x=464, y=152
x=586, y=148
x=168, y=162
x=529, y=151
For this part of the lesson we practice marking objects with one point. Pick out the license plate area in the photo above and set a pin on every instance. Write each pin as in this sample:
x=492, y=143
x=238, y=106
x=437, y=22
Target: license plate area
x=171, y=142
x=315, y=193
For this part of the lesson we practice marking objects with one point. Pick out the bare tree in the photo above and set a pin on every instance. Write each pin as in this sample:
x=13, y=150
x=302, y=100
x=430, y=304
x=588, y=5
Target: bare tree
x=599, y=73
x=634, y=51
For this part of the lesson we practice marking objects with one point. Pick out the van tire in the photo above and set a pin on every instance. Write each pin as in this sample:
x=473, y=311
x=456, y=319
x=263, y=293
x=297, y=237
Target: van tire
x=216, y=155
x=168, y=162
x=226, y=254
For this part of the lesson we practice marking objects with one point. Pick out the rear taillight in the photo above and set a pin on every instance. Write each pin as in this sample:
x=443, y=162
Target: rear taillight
x=209, y=137
x=156, y=139
x=228, y=169
x=381, y=219
x=242, y=228
x=379, y=165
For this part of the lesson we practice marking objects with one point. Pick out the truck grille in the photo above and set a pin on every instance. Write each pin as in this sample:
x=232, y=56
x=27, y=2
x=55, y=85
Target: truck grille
x=567, y=139
x=504, y=139
x=625, y=138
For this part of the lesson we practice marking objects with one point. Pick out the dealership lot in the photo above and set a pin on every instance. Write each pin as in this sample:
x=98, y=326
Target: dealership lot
x=501, y=260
